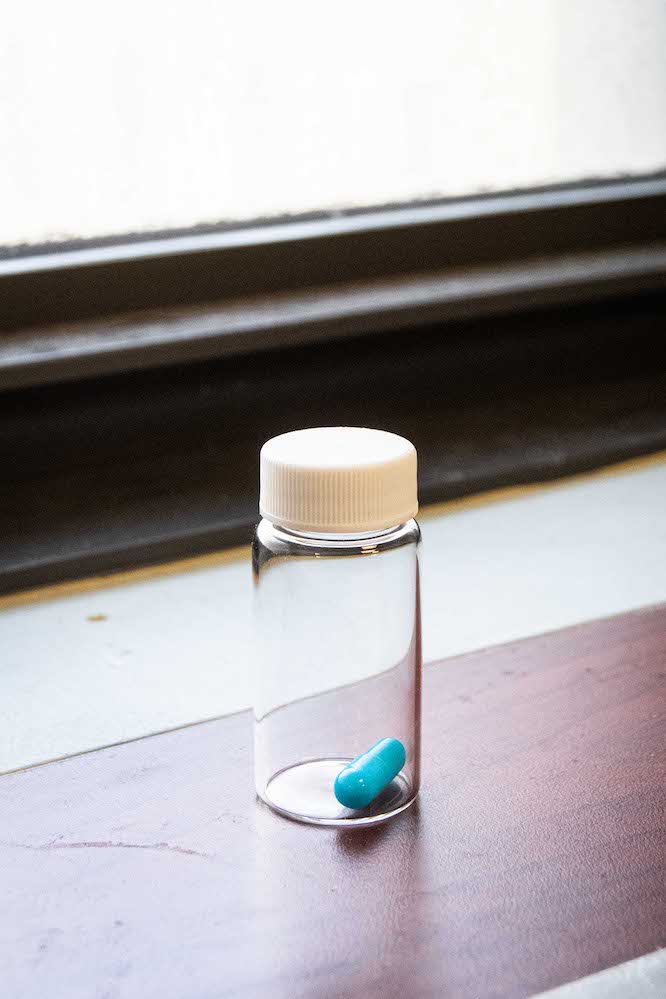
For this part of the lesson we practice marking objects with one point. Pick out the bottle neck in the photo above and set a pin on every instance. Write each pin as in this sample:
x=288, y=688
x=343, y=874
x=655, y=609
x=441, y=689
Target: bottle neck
x=328, y=536
x=283, y=540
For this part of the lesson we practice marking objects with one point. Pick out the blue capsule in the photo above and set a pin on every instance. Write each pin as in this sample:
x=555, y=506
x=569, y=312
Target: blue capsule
x=367, y=775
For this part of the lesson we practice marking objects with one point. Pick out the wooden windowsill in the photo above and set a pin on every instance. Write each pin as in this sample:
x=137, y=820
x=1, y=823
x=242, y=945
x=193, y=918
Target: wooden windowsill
x=535, y=854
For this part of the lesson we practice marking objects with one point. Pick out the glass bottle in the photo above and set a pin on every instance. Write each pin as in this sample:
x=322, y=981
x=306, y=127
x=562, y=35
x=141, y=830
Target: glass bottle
x=337, y=623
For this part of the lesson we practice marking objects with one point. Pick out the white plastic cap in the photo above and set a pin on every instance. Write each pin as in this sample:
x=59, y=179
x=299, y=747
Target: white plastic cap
x=338, y=480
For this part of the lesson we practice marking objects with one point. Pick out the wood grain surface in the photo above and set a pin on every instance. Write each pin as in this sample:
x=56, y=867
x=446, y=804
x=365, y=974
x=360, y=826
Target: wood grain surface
x=536, y=853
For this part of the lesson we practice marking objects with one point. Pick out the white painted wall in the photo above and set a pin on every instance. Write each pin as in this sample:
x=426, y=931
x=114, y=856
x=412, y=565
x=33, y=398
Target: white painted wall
x=140, y=115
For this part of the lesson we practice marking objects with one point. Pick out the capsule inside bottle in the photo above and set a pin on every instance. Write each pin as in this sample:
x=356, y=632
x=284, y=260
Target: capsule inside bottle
x=367, y=775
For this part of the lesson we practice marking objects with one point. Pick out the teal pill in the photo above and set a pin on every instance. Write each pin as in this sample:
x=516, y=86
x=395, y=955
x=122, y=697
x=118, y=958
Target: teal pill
x=367, y=775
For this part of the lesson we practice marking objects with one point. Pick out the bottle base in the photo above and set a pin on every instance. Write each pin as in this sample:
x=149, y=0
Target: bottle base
x=304, y=792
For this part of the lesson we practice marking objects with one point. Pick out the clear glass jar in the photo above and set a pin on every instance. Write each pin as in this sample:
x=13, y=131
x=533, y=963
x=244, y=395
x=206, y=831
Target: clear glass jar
x=337, y=619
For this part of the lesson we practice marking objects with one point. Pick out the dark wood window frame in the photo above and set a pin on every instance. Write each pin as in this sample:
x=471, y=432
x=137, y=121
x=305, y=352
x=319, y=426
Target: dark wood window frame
x=91, y=310
x=139, y=377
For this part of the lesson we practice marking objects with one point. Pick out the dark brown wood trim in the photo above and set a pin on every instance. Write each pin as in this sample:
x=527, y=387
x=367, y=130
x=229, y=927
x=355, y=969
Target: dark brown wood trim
x=114, y=472
x=514, y=337
x=40, y=355
x=193, y=269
